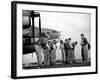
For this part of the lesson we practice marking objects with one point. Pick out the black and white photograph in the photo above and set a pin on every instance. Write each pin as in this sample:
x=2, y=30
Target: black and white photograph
x=53, y=39
x=56, y=39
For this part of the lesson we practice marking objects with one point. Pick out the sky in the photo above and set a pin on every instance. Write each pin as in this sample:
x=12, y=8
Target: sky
x=69, y=25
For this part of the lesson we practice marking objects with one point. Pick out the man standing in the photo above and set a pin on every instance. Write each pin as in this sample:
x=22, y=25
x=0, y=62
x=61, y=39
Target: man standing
x=44, y=48
x=73, y=48
x=53, y=54
x=70, y=56
x=38, y=52
x=63, y=51
x=84, y=48
x=66, y=49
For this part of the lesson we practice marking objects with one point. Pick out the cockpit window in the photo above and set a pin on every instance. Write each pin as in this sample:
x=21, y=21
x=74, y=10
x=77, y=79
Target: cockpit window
x=54, y=31
x=47, y=32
